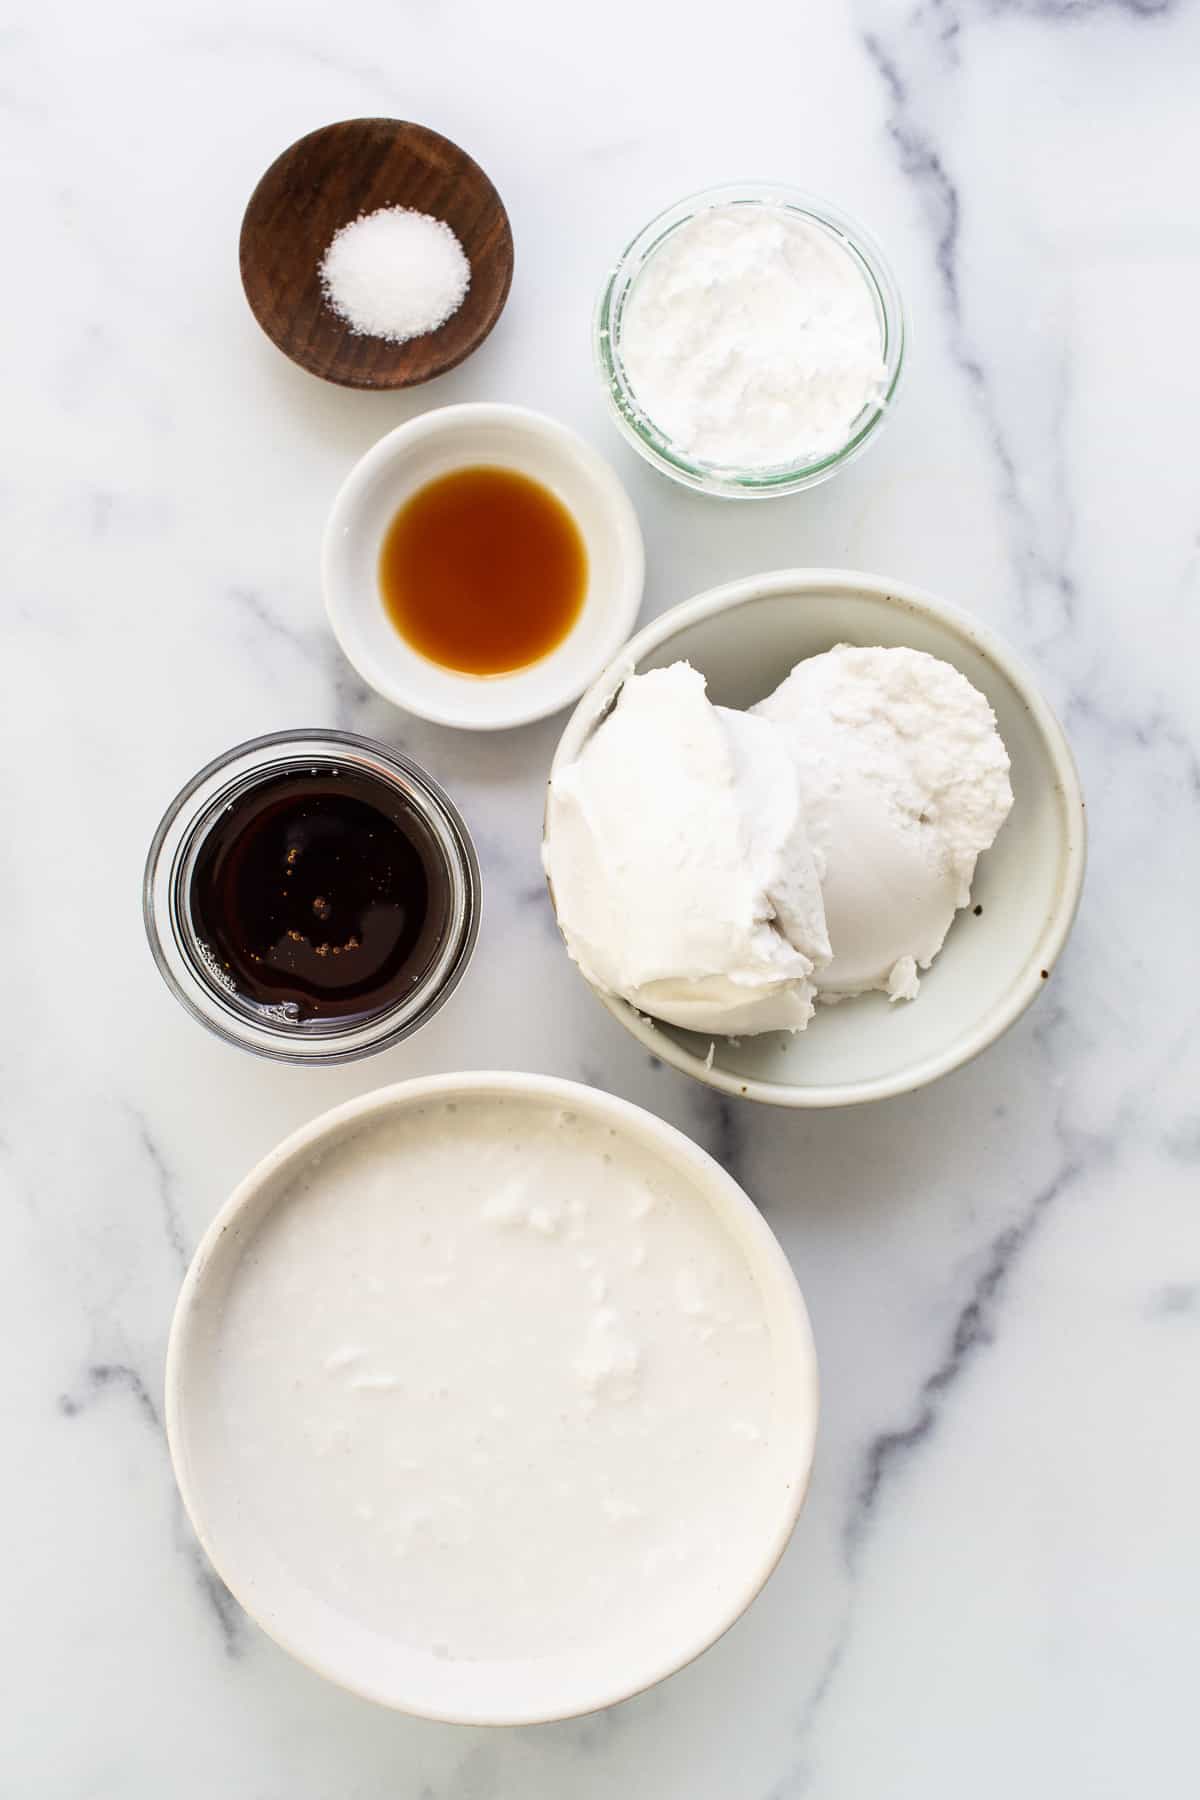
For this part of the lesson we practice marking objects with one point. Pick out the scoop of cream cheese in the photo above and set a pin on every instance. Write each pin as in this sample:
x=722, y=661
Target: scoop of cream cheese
x=680, y=864
x=904, y=782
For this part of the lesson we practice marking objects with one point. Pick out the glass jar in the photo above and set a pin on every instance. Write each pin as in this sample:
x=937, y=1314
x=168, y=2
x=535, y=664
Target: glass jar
x=641, y=431
x=195, y=975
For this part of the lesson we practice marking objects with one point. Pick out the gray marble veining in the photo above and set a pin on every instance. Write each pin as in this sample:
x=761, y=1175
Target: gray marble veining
x=993, y=1588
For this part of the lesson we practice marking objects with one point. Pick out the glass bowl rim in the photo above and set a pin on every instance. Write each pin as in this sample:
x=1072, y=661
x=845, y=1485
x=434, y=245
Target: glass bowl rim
x=636, y=425
x=341, y=1041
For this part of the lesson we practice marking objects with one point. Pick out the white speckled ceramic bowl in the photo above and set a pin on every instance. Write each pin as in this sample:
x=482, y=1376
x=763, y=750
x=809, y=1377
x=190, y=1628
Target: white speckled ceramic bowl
x=744, y=638
x=300, y=1607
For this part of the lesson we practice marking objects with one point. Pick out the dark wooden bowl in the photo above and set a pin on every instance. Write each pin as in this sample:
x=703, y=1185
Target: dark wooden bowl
x=319, y=185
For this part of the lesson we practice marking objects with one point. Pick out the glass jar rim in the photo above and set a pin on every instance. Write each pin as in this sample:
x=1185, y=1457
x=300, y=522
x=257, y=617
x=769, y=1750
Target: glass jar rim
x=201, y=990
x=637, y=426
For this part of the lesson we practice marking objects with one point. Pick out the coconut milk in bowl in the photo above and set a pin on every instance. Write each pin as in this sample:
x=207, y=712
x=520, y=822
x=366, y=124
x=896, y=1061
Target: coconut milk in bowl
x=492, y=1398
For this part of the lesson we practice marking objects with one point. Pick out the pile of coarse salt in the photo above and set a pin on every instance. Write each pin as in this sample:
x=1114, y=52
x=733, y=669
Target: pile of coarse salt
x=395, y=274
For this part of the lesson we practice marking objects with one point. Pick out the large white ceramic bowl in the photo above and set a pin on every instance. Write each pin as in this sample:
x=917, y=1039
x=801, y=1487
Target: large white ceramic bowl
x=744, y=638
x=300, y=1604
x=435, y=444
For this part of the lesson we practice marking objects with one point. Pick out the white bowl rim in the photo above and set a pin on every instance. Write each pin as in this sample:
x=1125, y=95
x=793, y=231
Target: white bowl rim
x=730, y=594
x=622, y=521
x=762, y=1248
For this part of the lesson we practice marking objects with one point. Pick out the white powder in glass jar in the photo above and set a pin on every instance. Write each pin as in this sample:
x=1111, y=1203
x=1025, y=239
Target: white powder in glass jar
x=751, y=339
x=395, y=274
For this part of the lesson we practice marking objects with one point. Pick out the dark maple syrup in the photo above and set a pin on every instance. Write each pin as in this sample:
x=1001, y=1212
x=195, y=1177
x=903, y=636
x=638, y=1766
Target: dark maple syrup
x=483, y=571
x=322, y=891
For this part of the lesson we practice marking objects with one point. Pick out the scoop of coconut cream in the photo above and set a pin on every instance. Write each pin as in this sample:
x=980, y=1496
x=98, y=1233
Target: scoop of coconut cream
x=904, y=782
x=680, y=865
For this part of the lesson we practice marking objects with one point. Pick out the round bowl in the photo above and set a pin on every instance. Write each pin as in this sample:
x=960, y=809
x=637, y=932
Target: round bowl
x=435, y=444
x=640, y=429
x=326, y=180
x=1000, y=953
x=187, y=963
x=234, y=1510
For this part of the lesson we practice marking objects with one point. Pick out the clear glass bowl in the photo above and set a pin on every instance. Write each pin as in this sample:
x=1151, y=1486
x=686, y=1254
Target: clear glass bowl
x=654, y=445
x=188, y=966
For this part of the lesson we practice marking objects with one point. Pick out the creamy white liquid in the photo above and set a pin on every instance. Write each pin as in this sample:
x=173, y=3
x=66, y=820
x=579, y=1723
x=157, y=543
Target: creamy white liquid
x=496, y=1384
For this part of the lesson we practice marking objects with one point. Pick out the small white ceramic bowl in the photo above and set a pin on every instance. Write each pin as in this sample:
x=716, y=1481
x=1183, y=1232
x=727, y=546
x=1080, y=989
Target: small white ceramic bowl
x=744, y=638
x=306, y=1613
x=435, y=444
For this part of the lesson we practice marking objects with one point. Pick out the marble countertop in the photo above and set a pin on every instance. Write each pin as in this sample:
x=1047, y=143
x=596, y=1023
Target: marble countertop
x=994, y=1588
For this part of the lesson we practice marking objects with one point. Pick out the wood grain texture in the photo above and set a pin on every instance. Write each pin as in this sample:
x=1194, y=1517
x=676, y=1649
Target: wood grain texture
x=323, y=182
